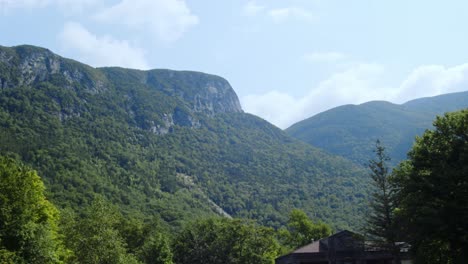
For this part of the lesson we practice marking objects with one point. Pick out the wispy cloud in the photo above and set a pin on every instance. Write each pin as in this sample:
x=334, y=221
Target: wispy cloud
x=430, y=80
x=357, y=84
x=278, y=15
x=252, y=8
x=101, y=50
x=166, y=20
x=283, y=14
x=327, y=57
x=67, y=6
x=11, y=4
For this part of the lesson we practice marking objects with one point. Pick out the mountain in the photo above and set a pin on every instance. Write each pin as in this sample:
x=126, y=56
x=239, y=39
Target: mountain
x=171, y=144
x=351, y=130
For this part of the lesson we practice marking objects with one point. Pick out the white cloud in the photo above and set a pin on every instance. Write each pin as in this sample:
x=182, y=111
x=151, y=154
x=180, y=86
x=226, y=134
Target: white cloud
x=357, y=84
x=430, y=80
x=165, y=19
x=76, y=6
x=282, y=14
x=101, y=50
x=327, y=57
x=279, y=108
x=10, y=4
x=252, y=8
x=68, y=6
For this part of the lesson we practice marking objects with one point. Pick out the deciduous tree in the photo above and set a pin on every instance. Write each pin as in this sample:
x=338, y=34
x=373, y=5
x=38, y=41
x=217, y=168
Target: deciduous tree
x=225, y=241
x=433, y=191
x=28, y=221
x=95, y=237
x=301, y=230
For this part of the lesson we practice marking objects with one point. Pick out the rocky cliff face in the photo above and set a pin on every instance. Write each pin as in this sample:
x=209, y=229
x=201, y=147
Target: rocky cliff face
x=28, y=65
x=95, y=131
x=195, y=93
x=207, y=94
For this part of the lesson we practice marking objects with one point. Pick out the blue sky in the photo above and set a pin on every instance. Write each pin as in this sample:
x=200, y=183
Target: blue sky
x=287, y=60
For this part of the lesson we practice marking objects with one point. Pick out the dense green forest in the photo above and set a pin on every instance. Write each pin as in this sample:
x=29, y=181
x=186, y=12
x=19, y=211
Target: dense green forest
x=33, y=230
x=163, y=143
x=351, y=130
x=113, y=165
x=423, y=200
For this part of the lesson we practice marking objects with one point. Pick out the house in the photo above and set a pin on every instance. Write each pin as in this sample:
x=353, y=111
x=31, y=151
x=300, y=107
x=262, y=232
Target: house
x=344, y=247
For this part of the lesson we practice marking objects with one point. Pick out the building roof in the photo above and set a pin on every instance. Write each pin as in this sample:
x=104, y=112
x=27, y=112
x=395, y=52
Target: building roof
x=322, y=244
x=343, y=245
x=313, y=247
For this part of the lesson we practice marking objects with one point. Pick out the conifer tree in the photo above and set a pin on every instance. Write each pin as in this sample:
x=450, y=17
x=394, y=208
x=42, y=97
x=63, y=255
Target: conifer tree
x=380, y=222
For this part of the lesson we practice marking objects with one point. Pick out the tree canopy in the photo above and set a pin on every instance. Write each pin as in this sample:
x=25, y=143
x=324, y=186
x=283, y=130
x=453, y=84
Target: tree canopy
x=28, y=221
x=225, y=241
x=95, y=238
x=301, y=230
x=433, y=191
x=155, y=143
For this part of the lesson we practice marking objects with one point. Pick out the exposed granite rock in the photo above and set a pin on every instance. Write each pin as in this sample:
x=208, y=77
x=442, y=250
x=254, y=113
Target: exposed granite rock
x=163, y=129
x=33, y=65
x=37, y=66
x=216, y=97
x=205, y=93
x=196, y=94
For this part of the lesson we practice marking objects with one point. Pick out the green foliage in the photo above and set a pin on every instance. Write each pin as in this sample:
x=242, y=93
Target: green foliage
x=351, y=130
x=95, y=237
x=152, y=143
x=28, y=221
x=301, y=230
x=433, y=190
x=8, y=257
x=380, y=222
x=155, y=249
x=428, y=251
x=225, y=241
x=253, y=170
x=381, y=225
x=148, y=241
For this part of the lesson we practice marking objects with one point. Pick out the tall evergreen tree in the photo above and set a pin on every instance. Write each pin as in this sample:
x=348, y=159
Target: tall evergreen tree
x=380, y=222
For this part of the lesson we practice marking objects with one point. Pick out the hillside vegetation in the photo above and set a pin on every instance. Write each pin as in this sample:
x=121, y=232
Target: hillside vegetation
x=351, y=130
x=161, y=143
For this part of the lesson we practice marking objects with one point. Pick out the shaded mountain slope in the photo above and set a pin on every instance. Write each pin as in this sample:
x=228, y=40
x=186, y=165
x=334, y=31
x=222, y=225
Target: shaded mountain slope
x=172, y=144
x=351, y=130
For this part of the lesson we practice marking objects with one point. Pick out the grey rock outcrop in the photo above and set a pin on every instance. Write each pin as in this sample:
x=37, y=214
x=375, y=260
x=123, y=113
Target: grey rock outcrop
x=205, y=93
x=27, y=65
x=194, y=95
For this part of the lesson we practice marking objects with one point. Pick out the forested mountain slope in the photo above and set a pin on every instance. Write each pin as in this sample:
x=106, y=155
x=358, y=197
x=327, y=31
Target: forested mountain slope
x=166, y=143
x=351, y=130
